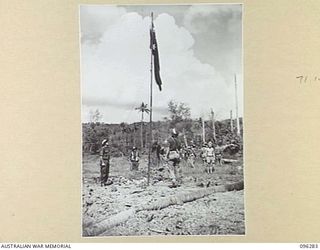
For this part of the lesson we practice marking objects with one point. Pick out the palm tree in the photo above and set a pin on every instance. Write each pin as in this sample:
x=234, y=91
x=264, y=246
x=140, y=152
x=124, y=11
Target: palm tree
x=143, y=108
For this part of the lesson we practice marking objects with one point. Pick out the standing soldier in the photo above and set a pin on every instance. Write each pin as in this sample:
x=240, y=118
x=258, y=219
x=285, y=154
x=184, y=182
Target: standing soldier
x=134, y=158
x=203, y=152
x=218, y=151
x=104, y=162
x=210, y=158
x=172, y=153
x=191, y=155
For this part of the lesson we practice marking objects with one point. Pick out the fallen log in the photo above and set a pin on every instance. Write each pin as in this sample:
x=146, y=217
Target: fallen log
x=179, y=199
x=158, y=231
x=108, y=223
x=229, y=160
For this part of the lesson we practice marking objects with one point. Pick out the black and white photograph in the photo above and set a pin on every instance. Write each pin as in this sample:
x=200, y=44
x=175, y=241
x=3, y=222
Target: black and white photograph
x=162, y=120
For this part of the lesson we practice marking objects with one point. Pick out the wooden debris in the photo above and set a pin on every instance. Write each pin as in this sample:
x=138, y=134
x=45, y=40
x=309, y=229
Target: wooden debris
x=150, y=217
x=137, y=191
x=229, y=161
x=104, y=225
x=108, y=223
x=157, y=230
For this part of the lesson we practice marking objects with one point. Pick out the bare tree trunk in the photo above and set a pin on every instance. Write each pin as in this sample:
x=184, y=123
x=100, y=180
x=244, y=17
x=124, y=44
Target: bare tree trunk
x=146, y=138
x=213, y=126
x=231, y=121
x=141, y=130
x=134, y=137
x=203, y=132
x=185, y=138
x=236, y=97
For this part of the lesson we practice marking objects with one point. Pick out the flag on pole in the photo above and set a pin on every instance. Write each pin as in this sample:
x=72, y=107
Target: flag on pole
x=155, y=53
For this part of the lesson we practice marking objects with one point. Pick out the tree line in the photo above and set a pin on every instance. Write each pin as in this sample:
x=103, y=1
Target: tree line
x=122, y=137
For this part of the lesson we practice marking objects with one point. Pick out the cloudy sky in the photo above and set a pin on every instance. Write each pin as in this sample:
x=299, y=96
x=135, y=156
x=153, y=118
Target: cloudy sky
x=200, y=49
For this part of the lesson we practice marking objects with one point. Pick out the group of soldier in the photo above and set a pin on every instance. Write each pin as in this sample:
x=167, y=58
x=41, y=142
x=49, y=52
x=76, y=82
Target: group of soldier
x=105, y=155
x=169, y=154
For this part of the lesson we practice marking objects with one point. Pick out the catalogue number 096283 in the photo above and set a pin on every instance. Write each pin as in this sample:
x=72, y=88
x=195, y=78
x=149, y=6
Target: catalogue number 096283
x=308, y=245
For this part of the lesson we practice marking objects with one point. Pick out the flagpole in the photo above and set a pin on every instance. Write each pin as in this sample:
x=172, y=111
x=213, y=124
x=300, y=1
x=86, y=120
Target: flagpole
x=150, y=125
x=236, y=97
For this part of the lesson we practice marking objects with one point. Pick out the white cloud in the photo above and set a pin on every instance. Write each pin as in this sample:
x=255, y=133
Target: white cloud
x=201, y=18
x=95, y=19
x=116, y=68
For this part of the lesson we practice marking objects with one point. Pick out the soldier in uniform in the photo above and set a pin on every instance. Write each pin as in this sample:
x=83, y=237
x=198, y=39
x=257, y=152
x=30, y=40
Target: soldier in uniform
x=104, y=162
x=191, y=155
x=203, y=152
x=134, y=158
x=172, y=155
x=210, y=158
x=218, y=151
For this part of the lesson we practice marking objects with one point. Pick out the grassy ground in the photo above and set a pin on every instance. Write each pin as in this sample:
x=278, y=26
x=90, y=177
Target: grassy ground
x=219, y=213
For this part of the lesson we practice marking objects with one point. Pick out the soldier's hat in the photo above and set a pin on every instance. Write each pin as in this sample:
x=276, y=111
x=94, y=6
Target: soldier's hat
x=133, y=148
x=174, y=132
x=104, y=142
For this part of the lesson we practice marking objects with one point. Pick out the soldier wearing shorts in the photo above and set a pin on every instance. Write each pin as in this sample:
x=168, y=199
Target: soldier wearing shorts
x=218, y=151
x=203, y=152
x=191, y=156
x=210, y=158
x=134, y=158
x=104, y=163
x=172, y=155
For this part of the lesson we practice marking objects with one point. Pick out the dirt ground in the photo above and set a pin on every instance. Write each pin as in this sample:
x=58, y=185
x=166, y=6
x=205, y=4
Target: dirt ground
x=216, y=214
